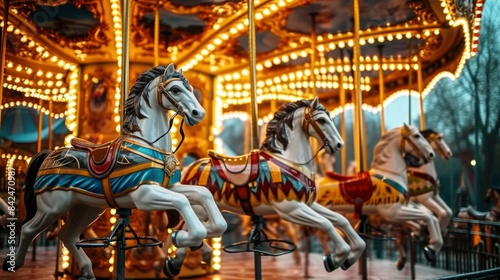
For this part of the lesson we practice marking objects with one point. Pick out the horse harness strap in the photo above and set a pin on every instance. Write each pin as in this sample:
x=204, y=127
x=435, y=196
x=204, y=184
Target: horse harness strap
x=405, y=137
x=308, y=120
x=394, y=184
x=161, y=87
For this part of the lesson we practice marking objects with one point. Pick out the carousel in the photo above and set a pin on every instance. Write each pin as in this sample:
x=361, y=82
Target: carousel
x=130, y=129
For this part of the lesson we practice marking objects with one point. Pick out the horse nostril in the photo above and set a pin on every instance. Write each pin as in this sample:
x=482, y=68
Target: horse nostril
x=339, y=145
x=431, y=155
x=194, y=113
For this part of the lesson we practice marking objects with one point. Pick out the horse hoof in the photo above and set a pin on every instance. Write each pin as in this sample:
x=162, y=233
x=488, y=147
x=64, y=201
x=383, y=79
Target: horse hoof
x=430, y=254
x=194, y=248
x=329, y=263
x=7, y=267
x=174, y=238
x=170, y=269
x=346, y=265
x=400, y=264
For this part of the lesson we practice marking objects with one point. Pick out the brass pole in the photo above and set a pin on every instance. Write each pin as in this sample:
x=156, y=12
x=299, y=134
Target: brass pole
x=409, y=82
x=157, y=34
x=125, y=55
x=358, y=132
x=50, y=123
x=381, y=89
x=253, y=74
x=343, y=134
x=421, y=95
x=3, y=51
x=40, y=119
x=313, y=52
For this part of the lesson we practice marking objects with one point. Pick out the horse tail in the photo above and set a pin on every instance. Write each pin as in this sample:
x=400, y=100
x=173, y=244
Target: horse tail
x=174, y=218
x=29, y=192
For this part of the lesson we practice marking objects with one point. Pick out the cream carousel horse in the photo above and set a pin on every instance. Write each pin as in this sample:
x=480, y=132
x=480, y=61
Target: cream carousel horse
x=383, y=190
x=136, y=170
x=278, y=179
x=423, y=188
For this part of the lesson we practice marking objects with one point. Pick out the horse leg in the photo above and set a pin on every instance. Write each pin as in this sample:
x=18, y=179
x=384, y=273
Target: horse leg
x=45, y=215
x=216, y=224
x=293, y=233
x=398, y=213
x=154, y=197
x=80, y=217
x=400, y=264
x=357, y=244
x=299, y=213
x=448, y=214
x=173, y=265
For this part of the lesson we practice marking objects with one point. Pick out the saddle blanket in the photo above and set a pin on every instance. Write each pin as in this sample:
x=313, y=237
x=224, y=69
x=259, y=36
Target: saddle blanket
x=136, y=164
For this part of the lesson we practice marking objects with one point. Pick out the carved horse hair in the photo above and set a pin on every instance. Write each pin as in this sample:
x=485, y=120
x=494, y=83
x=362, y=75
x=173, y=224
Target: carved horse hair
x=383, y=190
x=136, y=170
x=278, y=178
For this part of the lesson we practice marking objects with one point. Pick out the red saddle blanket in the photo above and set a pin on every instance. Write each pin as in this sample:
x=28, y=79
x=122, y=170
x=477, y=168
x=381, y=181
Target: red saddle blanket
x=355, y=189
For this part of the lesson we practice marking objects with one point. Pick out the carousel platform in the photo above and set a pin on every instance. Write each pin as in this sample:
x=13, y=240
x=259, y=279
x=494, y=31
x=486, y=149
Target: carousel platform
x=241, y=267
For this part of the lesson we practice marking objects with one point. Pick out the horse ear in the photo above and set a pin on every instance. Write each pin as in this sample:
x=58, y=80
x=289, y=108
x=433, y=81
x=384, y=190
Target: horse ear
x=407, y=127
x=169, y=70
x=180, y=71
x=314, y=103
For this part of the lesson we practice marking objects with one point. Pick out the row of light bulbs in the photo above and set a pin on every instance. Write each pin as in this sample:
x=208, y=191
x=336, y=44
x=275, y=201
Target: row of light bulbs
x=117, y=27
x=33, y=106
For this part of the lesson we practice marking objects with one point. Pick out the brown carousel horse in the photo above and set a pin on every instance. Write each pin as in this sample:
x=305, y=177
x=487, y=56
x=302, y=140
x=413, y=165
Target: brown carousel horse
x=279, y=179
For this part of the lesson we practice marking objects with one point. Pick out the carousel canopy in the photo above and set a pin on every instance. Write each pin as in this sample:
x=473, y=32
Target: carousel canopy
x=20, y=125
x=48, y=38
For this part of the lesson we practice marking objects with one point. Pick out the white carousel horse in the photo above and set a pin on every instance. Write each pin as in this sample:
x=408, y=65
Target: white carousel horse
x=423, y=182
x=134, y=171
x=383, y=190
x=423, y=189
x=278, y=179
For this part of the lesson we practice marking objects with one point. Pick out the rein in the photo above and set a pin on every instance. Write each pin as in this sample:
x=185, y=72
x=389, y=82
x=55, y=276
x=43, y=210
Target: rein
x=162, y=92
x=405, y=137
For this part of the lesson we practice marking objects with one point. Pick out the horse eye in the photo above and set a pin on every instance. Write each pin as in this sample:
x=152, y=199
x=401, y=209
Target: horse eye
x=321, y=121
x=175, y=90
x=416, y=136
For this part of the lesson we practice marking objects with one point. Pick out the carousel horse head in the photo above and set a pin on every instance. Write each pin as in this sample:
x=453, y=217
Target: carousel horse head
x=412, y=146
x=493, y=194
x=437, y=142
x=313, y=119
x=158, y=90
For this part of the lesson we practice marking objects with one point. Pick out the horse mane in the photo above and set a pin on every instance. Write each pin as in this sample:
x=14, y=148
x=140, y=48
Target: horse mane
x=427, y=133
x=380, y=152
x=133, y=104
x=276, y=128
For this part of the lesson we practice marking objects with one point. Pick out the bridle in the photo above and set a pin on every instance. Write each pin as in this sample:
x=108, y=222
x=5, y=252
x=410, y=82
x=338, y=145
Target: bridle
x=405, y=137
x=160, y=92
x=435, y=137
x=309, y=120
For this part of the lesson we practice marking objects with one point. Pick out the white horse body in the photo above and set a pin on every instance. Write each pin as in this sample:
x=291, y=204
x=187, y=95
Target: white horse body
x=294, y=122
x=146, y=128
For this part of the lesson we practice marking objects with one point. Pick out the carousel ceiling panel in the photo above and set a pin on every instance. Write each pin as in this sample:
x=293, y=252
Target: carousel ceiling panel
x=79, y=26
x=336, y=16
